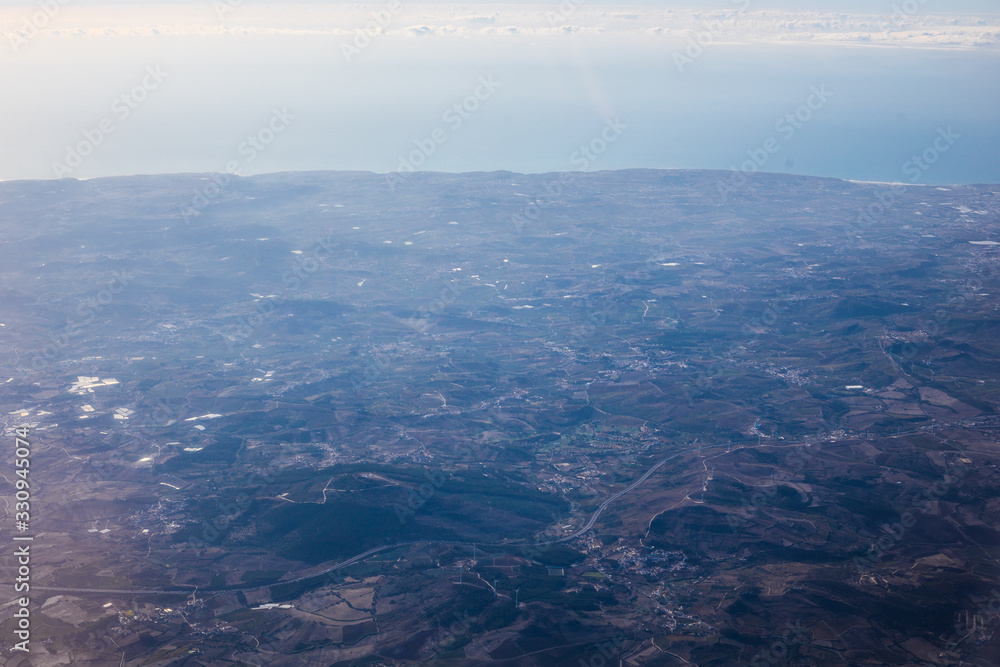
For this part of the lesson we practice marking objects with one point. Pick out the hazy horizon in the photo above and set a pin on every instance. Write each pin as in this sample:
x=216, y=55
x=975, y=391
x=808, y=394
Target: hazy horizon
x=690, y=89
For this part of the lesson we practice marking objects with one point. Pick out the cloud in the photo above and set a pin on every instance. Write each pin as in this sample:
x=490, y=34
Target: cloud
x=731, y=26
x=492, y=18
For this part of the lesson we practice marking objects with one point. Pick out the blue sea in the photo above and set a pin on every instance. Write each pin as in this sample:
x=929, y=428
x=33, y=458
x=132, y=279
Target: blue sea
x=855, y=112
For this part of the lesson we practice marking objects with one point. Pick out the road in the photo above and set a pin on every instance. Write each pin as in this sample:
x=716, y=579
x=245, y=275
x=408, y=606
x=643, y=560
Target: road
x=603, y=506
x=363, y=556
x=218, y=589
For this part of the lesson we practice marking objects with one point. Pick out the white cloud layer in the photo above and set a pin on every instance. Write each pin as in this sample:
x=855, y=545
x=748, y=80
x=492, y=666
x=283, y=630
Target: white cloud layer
x=225, y=17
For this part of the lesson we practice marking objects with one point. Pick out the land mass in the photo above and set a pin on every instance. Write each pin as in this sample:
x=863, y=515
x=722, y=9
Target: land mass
x=655, y=417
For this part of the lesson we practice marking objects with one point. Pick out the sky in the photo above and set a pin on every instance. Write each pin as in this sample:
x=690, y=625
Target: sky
x=859, y=6
x=890, y=91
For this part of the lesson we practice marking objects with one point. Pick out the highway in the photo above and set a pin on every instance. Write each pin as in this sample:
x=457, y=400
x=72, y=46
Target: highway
x=363, y=556
x=603, y=506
